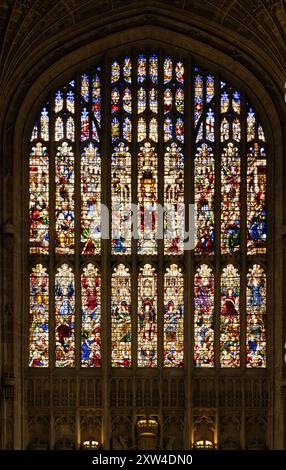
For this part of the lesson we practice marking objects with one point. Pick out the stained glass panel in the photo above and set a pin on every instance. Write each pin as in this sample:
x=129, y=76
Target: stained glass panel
x=230, y=199
x=90, y=317
x=64, y=217
x=204, y=200
x=147, y=317
x=91, y=200
x=39, y=317
x=39, y=199
x=121, y=199
x=256, y=200
x=147, y=199
x=173, y=317
x=230, y=318
x=204, y=317
x=121, y=317
x=256, y=317
x=65, y=316
x=174, y=220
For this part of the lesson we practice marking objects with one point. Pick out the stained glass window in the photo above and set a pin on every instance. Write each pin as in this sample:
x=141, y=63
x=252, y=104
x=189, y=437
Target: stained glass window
x=256, y=317
x=147, y=317
x=204, y=317
x=65, y=316
x=39, y=317
x=230, y=317
x=91, y=317
x=158, y=136
x=121, y=317
x=173, y=317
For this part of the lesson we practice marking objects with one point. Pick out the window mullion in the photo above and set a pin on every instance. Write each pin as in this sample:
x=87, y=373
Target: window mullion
x=189, y=148
x=243, y=233
x=134, y=200
x=52, y=234
x=217, y=250
x=77, y=218
x=105, y=248
x=160, y=265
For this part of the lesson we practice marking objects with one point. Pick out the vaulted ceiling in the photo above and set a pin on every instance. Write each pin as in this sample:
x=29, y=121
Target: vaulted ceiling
x=34, y=33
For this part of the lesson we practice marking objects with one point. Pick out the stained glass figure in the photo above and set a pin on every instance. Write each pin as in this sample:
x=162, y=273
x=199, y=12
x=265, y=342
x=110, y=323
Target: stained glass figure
x=256, y=317
x=96, y=97
x=64, y=317
x=153, y=130
x=204, y=317
x=153, y=68
x=210, y=124
x=147, y=317
x=224, y=102
x=230, y=199
x=127, y=100
x=44, y=120
x=251, y=123
x=261, y=135
x=210, y=88
x=168, y=70
x=121, y=316
x=236, y=102
x=115, y=99
x=127, y=69
x=230, y=317
x=153, y=100
x=59, y=129
x=256, y=200
x=168, y=100
x=115, y=129
x=142, y=130
x=179, y=100
x=174, y=220
x=127, y=129
x=236, y=130
x=39, y=199
x=141, y=106
x=224, y=130
x=141, y=68
x=199, y=98
x=204, y=200
x=168, y=129
x=115, y=71
x=39, y=317
x=179, y=70
x=180, y=133
x=64, y=214
x=70, y=101
x=59, y=101
x=121, y=199
x=173, y=317
x=91, y=199
x=84, y=125
x=147, y=199
x=85, y=87
x=90, y=317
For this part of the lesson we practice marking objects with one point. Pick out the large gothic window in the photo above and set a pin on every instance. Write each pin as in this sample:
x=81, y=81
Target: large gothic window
x=117, y=156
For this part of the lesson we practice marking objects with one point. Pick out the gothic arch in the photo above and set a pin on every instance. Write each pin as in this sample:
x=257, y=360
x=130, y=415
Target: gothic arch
x=60, y=71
